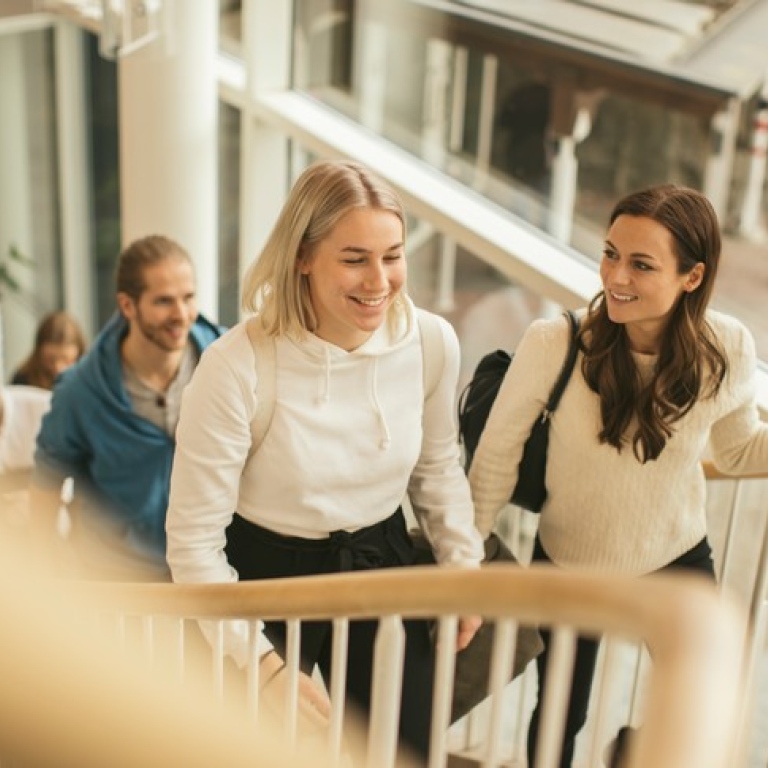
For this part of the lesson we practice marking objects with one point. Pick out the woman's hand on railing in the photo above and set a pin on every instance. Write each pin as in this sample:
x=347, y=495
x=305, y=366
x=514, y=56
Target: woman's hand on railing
x=468, y=626
x=313, y=700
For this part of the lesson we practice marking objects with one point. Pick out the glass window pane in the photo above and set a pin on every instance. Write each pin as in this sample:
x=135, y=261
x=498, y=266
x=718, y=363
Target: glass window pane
x=527, y=122
x=104, y=159
x=28, y=191
x=229, y=214
x=230, y=32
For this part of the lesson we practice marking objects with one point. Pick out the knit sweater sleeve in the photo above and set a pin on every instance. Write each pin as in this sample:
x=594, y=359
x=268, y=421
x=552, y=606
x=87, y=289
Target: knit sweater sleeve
x=438, y=488
x=738, y=439
x=522, y=396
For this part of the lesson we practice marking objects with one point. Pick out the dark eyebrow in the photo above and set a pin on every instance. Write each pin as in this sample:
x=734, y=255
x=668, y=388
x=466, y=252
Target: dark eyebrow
x=634, y=255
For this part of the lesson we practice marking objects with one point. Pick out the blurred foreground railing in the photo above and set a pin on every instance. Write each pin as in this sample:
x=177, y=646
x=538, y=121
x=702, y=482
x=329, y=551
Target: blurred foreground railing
x=62, y=700
x=694, y=636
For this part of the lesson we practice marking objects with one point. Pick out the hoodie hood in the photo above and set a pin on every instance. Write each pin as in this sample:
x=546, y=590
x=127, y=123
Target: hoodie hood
x=101, y=371
x=119, y=460
x=392, y=336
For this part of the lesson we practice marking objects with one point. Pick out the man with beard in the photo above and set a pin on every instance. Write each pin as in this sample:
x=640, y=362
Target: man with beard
x=112, y=423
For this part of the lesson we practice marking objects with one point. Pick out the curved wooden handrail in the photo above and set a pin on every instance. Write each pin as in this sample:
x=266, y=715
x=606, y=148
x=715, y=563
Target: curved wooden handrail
x=534, y=594
x=695, y=635
x=694, y=632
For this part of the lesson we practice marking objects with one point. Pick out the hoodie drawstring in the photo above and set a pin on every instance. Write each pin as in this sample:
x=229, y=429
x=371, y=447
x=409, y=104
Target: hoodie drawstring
x=324, y=387
x=324, y=394
x=385, y=436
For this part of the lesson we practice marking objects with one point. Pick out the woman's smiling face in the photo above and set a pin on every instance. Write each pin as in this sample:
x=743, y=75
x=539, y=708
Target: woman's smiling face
x=639, y=272
x=354, y=274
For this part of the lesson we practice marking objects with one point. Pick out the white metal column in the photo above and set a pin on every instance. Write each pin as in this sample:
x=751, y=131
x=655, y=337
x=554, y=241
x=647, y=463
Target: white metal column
x=168, y=105
x=74, y=177
x=719, y=170
x=565, y=177
x=264, y=165
x=370, y=73
x=16, y=216
x=751, y=224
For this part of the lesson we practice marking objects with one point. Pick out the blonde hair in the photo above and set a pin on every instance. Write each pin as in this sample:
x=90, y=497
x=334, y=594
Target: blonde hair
x=273, y=285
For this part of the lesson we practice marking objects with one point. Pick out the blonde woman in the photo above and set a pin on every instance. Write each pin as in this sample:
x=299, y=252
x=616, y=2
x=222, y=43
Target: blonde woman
x=351, y=433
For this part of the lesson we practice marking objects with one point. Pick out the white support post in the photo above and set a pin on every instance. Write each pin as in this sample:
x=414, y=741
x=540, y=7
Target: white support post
x=168, y=107
x=555, y=697
x=486, y=118
x=264, y=163
x=445, y=667
x=565, y=177
x=74, y=184
x=458, y=98
x=389, y=655
x=16, y=214
x=371, y=77
x=719, y=170
x=446, y=275
x=751, y=221
x=436, y=109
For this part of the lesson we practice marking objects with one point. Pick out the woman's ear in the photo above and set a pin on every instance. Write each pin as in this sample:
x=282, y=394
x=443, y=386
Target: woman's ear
x=694, y=277
x=303, y=261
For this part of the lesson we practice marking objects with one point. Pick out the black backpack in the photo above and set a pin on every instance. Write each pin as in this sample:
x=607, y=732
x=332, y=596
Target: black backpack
x=475, y=404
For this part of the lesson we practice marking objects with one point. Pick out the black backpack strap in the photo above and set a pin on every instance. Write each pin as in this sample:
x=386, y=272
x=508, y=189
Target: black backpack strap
x=567, y=369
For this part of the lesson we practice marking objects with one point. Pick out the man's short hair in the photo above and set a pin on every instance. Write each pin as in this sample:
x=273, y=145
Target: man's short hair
x=141, y=254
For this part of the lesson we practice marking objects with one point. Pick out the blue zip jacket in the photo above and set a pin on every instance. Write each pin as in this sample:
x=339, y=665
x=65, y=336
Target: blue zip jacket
x=120, y=462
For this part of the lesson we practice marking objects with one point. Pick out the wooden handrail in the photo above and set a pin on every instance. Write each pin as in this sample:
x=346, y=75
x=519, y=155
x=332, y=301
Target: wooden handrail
x=532, y=595
x=695, y=635
x=694, y=632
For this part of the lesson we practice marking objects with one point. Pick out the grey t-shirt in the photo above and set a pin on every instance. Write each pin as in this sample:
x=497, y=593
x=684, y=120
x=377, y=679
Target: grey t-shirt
x=161, y=408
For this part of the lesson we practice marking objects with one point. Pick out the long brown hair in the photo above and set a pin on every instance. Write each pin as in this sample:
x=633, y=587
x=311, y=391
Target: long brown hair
x=692, y=363
x=59, y=328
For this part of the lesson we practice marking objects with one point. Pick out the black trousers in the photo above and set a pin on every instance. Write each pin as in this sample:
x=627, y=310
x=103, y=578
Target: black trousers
x=257, y=553
x=697, y=559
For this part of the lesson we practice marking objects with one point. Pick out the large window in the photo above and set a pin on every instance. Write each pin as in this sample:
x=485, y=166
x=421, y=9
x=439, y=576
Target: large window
x=104, y=167
x=472, y=95
x=29, y=203
x=229, y=215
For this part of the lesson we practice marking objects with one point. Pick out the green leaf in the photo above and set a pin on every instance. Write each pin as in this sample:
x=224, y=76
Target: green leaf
x=7, y=279
x=16, y=255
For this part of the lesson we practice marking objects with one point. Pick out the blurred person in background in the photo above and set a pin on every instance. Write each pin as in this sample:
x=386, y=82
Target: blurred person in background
x=59, y=343
x=112, y=422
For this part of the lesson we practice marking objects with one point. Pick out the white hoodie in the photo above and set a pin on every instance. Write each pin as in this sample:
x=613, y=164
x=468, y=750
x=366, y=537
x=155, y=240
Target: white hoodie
x=350, y=436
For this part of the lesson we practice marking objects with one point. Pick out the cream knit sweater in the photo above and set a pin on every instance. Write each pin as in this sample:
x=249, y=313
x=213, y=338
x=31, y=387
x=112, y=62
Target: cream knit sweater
x=605, y=510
